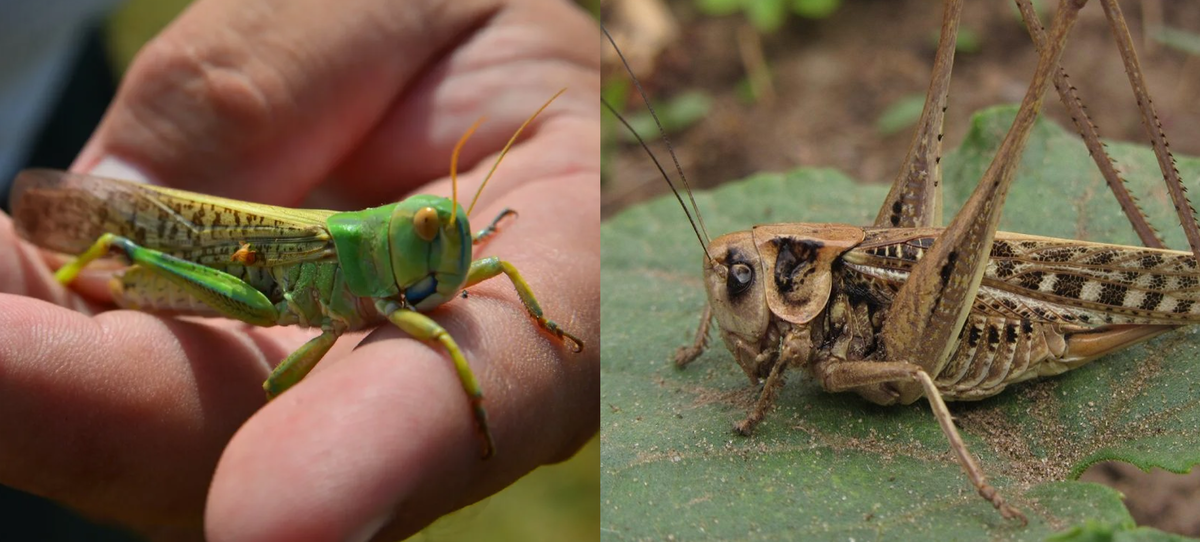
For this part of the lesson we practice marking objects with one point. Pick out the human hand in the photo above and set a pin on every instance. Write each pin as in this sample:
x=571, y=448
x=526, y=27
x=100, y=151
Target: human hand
x=132, y=417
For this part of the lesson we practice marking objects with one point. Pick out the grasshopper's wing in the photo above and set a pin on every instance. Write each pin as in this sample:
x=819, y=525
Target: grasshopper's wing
x=1057, y=280
x=67, y=212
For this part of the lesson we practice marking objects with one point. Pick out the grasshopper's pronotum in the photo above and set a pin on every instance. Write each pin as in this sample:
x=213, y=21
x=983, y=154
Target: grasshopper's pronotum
x=905, y=309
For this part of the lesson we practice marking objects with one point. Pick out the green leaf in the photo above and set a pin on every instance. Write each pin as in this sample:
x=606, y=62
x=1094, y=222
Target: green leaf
x=833, y=467
x=1180, y=40
x=676, y=115
x=815, y=9
x=767, y=16
x=717, y=8
x=901, y=114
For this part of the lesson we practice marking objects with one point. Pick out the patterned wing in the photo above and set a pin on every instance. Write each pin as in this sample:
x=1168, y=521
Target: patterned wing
x=1057, y=280
x=67, y=212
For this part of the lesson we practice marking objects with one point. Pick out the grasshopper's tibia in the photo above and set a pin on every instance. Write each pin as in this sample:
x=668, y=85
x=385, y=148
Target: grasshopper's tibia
x=841, y=375
x=483, y=235
x=298, y=364
x=487, y=268
x=423, y=328
x=224, y=293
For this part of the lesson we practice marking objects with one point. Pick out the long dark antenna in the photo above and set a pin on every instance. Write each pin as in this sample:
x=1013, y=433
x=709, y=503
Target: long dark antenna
x=662, y=132
x=658, y=165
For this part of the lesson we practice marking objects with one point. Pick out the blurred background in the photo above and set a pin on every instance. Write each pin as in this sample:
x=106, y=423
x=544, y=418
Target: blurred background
x=746, y=86
x=78, y=49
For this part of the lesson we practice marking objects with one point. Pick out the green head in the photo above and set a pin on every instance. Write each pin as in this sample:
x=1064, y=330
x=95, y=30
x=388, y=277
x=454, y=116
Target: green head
x=420, y=247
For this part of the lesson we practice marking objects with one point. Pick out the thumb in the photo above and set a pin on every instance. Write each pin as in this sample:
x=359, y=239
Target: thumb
x=261, y=100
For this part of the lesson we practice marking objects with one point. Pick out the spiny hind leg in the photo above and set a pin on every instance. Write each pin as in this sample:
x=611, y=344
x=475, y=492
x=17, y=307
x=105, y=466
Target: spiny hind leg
x=1091, y=136
x=225, y=294
x=839, y=375
x=929, y=310
x=487, y=268
x=1158, y=140
x=915, y=199
x=424, y=329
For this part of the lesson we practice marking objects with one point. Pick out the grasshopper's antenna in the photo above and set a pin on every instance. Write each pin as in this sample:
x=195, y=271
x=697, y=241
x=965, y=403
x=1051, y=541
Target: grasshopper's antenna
x=662, y=132
x=511, y=140
x=658, y=165
x=454, y=169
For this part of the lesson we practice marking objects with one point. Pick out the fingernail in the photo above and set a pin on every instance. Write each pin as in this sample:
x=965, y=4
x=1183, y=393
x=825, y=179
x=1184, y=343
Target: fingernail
x=116, y=168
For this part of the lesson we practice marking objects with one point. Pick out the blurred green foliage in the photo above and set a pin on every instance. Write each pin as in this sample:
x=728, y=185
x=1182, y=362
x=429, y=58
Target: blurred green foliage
x=769, y=15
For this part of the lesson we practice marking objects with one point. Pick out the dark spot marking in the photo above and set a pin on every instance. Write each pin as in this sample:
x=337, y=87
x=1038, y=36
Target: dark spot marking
x=1068, y=286
x=1031, y=280
x=948, y=267
x=1010, y=333
x=973, y=338
x=1151, y=301
x=993, y=337
x=1001, y=249
x=1150, y=261
x=1026, y=326
x=1104, y=257
x=1183, y=306
x=1113, y=294
x=1005, y=268
x=794, y=262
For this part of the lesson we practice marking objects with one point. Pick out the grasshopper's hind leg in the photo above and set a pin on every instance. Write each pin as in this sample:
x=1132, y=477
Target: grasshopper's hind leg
x=840, y=375
x=225, y=294
x=487, y=268
x=915, y=199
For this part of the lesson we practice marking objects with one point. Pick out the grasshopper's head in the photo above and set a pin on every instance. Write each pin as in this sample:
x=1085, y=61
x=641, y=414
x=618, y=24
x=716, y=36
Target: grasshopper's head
x=429, y=241
x=780, y=271
x=419, y=247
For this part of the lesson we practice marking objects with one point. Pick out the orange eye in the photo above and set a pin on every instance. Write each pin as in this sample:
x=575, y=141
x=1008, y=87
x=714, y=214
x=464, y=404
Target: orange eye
x=426, y=223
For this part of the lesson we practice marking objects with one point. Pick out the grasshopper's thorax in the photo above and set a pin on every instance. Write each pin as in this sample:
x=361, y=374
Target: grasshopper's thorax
x=770, y=282
x=413, y=250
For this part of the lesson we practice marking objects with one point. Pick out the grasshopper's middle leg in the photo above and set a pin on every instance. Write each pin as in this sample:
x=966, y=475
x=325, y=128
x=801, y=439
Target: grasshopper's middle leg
x=487, y=268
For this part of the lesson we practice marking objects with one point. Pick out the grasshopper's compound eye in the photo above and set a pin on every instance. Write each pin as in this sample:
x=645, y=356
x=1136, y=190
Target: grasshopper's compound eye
x=741, y=276
x=426, y=223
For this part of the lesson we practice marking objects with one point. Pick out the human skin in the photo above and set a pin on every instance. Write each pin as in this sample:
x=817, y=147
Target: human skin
x=159, y=423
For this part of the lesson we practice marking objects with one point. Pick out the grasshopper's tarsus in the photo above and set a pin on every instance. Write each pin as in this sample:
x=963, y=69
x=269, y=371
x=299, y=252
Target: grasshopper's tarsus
x=483, y=235
x=487, y=268
x=423, y=328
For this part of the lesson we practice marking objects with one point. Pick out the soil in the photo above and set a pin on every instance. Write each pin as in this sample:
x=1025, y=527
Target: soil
x=833, y=78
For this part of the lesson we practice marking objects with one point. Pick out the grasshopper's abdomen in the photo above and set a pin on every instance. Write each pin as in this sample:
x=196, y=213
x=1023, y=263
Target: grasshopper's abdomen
x=1044, y=306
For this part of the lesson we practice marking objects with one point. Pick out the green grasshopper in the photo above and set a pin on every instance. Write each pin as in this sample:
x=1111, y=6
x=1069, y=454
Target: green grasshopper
x=195, y=254
x=906, y=309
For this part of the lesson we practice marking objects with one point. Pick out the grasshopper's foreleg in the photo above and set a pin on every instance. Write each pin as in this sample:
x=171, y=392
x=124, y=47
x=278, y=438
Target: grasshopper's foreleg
x=483, y=235
x=838, y=375
x=487, y=268
x=224, y=293
x=297, y=365
x=423, y=328
x=687, y=354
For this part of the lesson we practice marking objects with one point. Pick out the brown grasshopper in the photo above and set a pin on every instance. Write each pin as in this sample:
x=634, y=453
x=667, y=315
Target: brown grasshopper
x=904, y=309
